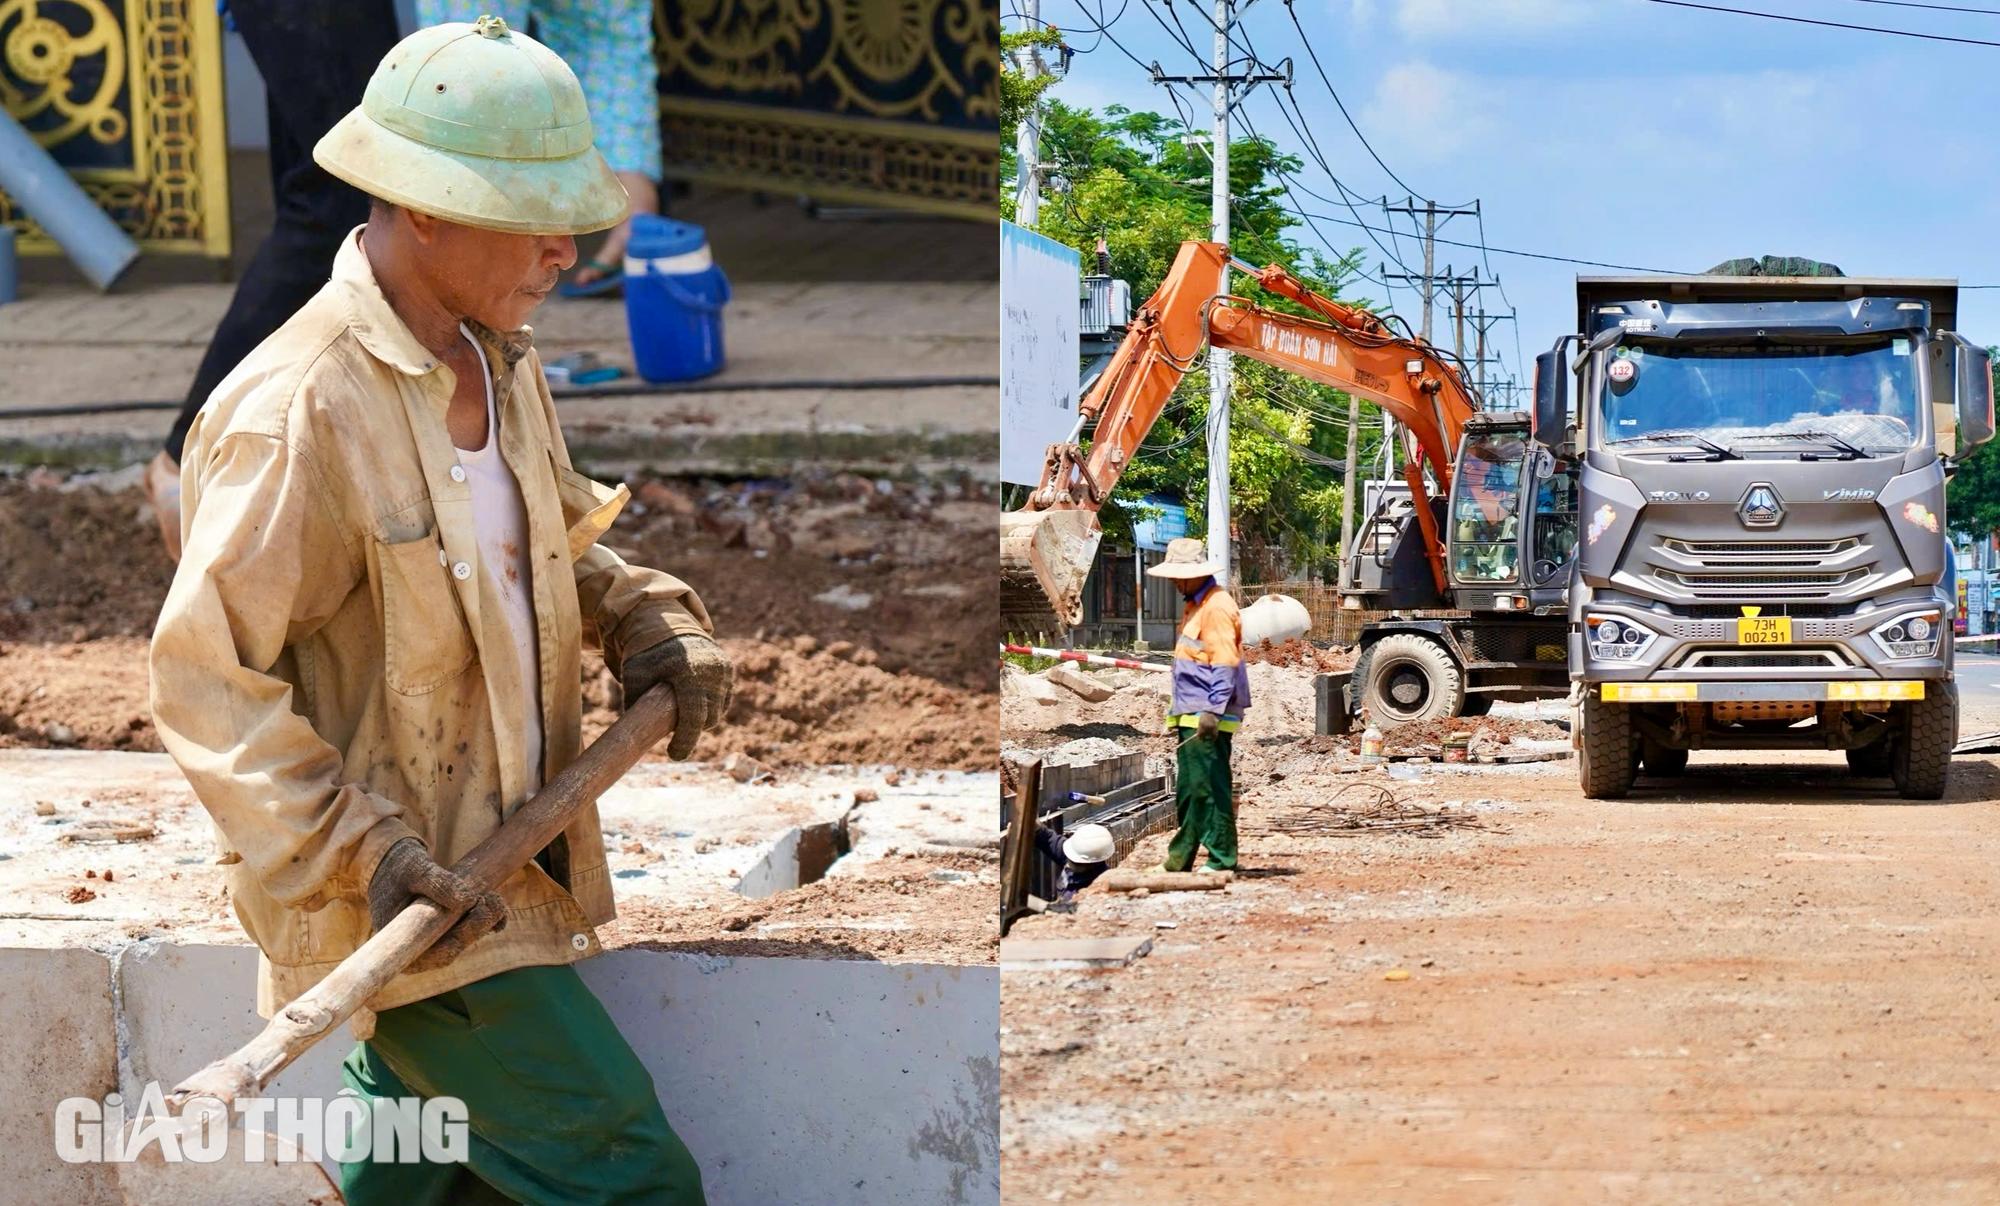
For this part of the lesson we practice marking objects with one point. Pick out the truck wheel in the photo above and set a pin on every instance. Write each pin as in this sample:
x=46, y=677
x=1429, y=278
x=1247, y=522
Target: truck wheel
x=1920, y=761
x=1661, y=760
x=1411, y=678
x=1476, y=704
x=1607, y=748
x=1871, y=761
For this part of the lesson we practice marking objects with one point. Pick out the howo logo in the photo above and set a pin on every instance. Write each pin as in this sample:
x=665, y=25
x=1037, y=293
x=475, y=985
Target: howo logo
x=1761, y=507
x=1677, y=495
x=1847, y=494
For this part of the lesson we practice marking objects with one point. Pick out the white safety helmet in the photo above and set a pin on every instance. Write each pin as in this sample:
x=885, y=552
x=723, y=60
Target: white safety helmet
x=1090, y=844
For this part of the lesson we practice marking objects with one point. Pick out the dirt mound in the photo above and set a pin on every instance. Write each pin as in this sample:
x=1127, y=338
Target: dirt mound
x=1428, y=736
x=1300, y=654
x=862, y=613
x=801, y=702
x=85, y=696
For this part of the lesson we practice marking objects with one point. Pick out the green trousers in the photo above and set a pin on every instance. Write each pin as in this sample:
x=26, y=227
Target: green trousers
x=561, y=1112
x=1204, y=803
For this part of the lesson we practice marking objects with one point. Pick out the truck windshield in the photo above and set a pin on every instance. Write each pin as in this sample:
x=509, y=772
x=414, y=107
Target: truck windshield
x=1763, y=396
x=1485, y=513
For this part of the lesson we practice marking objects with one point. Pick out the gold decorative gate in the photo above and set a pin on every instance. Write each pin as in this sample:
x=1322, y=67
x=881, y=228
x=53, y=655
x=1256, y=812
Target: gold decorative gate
x=127, y=95
x=888, y=102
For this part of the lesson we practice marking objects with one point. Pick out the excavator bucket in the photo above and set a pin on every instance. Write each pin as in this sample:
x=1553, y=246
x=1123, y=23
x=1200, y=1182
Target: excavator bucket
x=1044, y=558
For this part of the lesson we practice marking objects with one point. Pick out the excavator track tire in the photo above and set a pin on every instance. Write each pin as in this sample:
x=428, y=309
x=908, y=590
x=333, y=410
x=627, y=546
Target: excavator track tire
x=1607, y=752
x=1476, y=704
x=1871, y=761
x=1662, y=761
x=1920, y=761
x=1407, y=677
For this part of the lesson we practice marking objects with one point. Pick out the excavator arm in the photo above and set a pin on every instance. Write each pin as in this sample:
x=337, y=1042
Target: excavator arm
x=1047, y=547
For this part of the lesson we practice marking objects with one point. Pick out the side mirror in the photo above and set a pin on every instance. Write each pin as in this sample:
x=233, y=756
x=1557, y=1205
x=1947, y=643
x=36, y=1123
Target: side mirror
x=1551, y=397
x=1972, y=396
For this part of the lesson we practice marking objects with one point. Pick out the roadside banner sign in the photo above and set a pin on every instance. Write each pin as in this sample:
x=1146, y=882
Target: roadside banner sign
x=1040, y=356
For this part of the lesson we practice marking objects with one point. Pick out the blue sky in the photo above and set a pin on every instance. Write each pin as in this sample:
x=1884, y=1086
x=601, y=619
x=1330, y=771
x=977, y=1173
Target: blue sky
x=1618, y=130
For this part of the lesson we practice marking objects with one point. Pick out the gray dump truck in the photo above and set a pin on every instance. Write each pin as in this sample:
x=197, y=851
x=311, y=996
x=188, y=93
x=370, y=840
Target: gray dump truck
x=1763, y=563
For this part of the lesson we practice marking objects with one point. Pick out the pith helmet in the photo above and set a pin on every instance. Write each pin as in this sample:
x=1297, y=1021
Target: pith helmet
x=1186, y=558
x=478, y=125
x=1090, y=844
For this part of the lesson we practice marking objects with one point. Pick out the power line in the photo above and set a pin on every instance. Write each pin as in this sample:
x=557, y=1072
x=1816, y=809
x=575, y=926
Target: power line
x=1942, y=8
x=1338, y=103
x=1900, y=33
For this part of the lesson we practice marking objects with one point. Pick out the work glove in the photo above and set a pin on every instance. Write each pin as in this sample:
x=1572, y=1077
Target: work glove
x=1207, y=725
x=407, y=872
x=701, y=677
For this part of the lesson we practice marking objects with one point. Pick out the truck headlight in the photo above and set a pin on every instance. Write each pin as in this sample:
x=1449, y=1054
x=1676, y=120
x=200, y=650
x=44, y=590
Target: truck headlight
x=1615, y=638
x=1913, y=634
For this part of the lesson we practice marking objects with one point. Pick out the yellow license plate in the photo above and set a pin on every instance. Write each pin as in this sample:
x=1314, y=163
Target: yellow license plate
x=1764, y=630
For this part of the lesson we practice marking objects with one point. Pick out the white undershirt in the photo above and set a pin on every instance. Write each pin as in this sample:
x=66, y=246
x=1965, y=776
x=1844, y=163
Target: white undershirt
x=500, y=520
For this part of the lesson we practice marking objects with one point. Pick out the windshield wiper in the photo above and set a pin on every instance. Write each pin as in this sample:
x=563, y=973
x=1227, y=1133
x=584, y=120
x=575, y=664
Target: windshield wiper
x=1715, y=451
x=1848, y=452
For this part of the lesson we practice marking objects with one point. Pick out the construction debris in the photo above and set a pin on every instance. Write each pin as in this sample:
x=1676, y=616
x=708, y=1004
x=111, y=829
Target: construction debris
x=1064, y=954
x=1165, y=881
x=1079, y=683
x=108, y=829
x=1370, y=808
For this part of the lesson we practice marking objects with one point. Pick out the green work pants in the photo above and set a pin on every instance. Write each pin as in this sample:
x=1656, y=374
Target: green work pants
x=561, y=1112
x=1204, y=804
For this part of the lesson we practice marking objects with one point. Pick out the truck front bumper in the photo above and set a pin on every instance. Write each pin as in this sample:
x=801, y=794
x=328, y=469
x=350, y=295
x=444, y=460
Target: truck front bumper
x=1856, y=691
x=1834, y=654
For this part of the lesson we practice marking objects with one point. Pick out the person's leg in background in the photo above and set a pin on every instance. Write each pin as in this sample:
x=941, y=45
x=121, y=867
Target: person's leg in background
x=315, y=57
x=610, y=44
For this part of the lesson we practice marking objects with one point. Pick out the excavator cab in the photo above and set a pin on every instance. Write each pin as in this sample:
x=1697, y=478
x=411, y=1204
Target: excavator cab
x=1511, y=533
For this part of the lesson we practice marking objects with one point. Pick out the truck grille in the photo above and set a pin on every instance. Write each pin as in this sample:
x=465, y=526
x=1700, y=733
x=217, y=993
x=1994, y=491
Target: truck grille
x=1724, y=586
x=1795, y=659
x=1733, y=552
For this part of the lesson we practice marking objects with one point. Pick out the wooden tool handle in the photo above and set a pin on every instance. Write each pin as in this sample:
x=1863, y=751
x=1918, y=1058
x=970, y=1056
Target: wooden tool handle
x=422, y=922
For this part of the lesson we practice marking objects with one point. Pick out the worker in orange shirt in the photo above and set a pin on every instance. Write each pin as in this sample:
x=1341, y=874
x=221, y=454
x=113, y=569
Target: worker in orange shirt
x=1211, y=692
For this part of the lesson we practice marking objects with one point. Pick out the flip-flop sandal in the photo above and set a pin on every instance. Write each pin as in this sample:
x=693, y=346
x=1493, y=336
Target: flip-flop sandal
x=611, y=282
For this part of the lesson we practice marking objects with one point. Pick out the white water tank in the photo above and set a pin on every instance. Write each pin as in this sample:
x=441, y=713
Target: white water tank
x=1275, y=618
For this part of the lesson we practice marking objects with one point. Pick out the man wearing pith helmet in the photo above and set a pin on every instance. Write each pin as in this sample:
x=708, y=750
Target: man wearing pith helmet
x=1211, y=693
x=370, y=653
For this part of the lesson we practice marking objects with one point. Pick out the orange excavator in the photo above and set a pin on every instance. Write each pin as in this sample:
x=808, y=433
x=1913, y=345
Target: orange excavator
x=1434, y=557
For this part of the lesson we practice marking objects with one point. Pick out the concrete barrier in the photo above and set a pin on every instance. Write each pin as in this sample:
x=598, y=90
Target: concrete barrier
x=792, y=1080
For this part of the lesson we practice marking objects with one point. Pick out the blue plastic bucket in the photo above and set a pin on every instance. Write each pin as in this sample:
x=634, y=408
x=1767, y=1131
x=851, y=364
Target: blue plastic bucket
x=674, y=295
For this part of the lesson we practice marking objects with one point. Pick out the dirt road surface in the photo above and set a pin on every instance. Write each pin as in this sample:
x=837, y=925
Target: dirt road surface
x=1765, y=982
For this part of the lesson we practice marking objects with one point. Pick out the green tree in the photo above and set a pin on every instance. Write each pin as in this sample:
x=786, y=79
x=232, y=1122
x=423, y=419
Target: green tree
x=1972, y=499
x=1018, y=92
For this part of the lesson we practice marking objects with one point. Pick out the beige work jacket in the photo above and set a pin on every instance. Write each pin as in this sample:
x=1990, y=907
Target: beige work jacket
x=332, y=670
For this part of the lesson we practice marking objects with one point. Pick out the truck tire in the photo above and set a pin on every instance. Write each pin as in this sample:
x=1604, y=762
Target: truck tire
x=1871, y=761
x=1476, y=704
x=1407, y=677
x=1661, y=760
x=1920, y=761
x=1607, y=748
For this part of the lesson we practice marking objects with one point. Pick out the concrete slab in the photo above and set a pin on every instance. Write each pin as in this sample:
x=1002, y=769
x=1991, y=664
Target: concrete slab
x=60, y=1040
x=791, y=1080
x=678, y=836
x=1064, y=954
x=182, y=1006
x=833, y=1083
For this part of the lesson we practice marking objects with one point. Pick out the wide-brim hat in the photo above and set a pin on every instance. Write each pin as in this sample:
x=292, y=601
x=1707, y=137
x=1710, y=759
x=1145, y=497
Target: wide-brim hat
x=478, y=125
x=1186, y=558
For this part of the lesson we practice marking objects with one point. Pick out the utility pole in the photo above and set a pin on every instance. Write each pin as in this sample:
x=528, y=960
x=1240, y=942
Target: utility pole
x=1484, y=322
x=1227, y=97
x=1431, y=212
x=1028, y=137
x=1347, y=485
